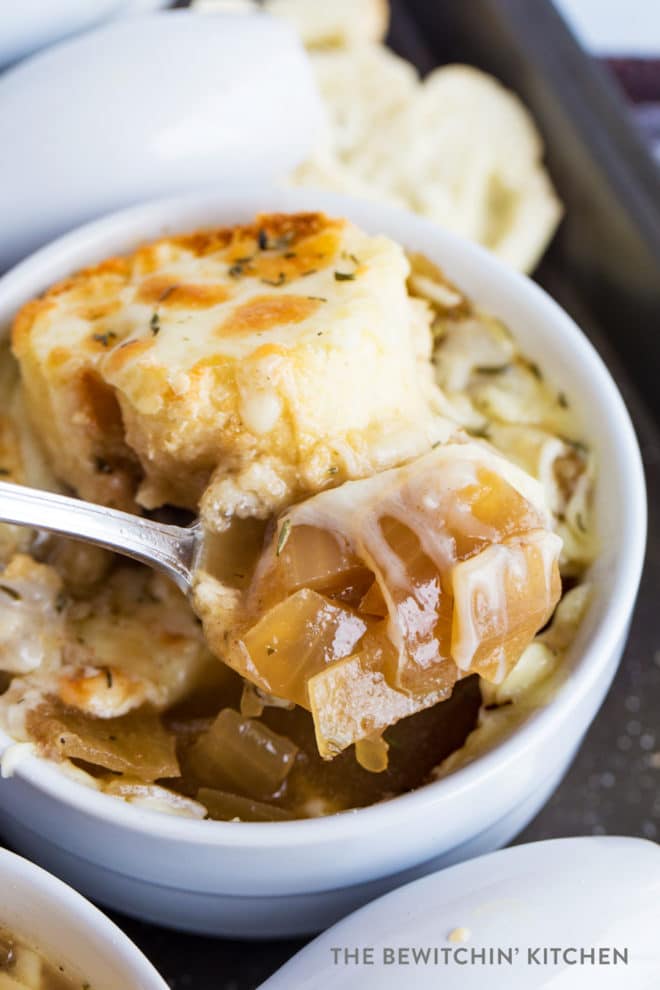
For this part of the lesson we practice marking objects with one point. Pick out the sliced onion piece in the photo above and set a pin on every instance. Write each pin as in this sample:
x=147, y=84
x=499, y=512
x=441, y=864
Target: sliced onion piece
x=351, y=699
x=315, y=558
x=422, y=614
x=294, y=641
x=352, y=610
x=498, y=506
x=135, y=744
x=243, y=755
x=373, y=603
x=226, y=807
x=502, y=596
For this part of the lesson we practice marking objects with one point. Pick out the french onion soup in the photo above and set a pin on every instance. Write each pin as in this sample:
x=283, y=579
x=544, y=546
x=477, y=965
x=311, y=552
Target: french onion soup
x=23, y=967
x=397, y=507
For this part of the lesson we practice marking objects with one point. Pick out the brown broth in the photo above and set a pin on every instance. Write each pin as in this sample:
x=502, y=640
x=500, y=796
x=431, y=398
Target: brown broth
x=316, y=786
x=28, y=968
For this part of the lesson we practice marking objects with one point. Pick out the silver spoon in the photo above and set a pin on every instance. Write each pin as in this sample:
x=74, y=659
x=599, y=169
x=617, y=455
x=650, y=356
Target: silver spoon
x=174, y=550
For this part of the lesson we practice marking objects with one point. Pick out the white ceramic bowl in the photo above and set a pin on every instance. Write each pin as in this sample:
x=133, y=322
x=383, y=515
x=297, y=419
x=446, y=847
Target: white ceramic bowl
x=68, y=930
x=31, y=24
x=278, y=879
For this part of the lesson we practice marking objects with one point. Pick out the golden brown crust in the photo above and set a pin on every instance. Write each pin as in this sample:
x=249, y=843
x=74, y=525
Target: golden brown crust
x=127, y=352
x=265, y=312
x=274, y=227
x=165, y=291
x=109, y=276
x=26, y=317
x=95, y=289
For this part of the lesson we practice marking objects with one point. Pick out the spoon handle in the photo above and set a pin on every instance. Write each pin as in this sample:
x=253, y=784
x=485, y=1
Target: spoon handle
x=170, y=549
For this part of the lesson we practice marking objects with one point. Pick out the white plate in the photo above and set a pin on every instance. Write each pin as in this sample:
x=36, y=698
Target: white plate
x=570, y=914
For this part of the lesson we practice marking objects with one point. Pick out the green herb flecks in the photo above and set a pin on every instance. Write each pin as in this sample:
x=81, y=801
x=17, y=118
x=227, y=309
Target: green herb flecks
x=276, y=283
x=344, y=276
x=154, y=323
x=285, y=532
x=498, y=369
x=535, y=370
x=105, y=338
x=11, y=592
x=479, y=432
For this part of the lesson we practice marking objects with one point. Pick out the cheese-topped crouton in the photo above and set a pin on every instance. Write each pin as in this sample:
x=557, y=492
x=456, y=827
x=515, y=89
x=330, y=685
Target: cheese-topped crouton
x=249, y=365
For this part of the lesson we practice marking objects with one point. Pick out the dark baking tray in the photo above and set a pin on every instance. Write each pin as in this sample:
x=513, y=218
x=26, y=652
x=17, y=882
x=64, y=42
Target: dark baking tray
x=604, y=268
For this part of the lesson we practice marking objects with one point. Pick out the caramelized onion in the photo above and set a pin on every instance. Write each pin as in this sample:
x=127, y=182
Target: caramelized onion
x=226, y=807
x=136, y=743
x=315, y=558
x=501, y=595
x=370, y=600
x=296, y=639
x=423, y=613
x=243, y=755
x=352, y=700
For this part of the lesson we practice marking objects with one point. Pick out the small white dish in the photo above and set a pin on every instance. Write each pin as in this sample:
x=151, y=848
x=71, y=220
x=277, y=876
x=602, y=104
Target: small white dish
x=69, y=931
x=145, y=107
x=275, y=879
x=27, y=26
x=568, y=914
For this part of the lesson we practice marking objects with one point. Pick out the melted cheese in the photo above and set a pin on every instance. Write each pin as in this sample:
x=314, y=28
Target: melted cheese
x=31, y=630
x=469, y=599
x=408, y=493
x=432, y=488
x=135, y=641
